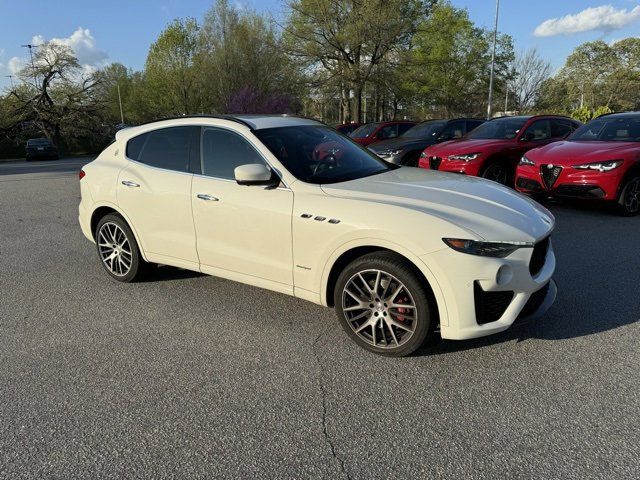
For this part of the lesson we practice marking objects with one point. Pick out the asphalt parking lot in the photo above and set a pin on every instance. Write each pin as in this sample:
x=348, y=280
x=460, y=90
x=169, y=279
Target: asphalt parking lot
x=189, y=376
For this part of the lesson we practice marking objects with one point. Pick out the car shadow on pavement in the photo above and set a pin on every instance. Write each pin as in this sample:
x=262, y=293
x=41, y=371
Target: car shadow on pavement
x=164, y=273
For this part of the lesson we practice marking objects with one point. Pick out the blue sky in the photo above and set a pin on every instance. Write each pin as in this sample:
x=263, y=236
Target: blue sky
x=102, y=31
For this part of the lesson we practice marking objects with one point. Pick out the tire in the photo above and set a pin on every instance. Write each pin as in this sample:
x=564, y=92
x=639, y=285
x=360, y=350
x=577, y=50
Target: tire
x=371, y=321
x=123, y=263
x=499, y=172
x=629, y=199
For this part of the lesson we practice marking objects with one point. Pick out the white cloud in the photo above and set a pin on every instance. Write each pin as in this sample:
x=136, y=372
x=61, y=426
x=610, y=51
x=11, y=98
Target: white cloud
x=605, y=18
x=15, y=65
x=83, y=45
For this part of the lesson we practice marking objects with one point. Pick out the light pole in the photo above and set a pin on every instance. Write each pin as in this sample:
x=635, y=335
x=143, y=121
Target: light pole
x=493, y=61
x=33, y=68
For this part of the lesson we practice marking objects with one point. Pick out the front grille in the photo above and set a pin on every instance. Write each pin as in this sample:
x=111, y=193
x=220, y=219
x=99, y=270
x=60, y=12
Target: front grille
x=434, y=162
x=538, y=257
x=534, y=302
x=529, y=184
x=490, y=306
x=550, y=174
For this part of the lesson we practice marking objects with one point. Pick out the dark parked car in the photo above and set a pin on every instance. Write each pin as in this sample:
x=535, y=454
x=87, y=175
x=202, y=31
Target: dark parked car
x=406, y=149
x=41, y=148
x=375, y=132
x=494, y=149
x=347, y=128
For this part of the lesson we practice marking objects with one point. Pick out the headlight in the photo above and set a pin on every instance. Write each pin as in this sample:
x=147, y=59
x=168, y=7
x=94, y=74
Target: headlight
x=423, y=155
x=600, y=166
x=485, y=249
x=465, y=157
x=525, y=161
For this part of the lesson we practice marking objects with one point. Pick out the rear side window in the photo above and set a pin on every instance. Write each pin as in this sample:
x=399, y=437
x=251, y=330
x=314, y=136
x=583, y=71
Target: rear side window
x=403, y=127
x=538, y=130
x=223, y=151
x=167, y=148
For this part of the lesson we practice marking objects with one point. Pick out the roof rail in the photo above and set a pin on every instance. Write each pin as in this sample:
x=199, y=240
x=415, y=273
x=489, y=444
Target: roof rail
x=221, y=117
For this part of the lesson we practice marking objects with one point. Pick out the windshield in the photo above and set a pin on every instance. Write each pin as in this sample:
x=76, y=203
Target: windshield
x=364, y=131
x=319, y=154
x=498, y=129
x=425, y=130
x=609, y=129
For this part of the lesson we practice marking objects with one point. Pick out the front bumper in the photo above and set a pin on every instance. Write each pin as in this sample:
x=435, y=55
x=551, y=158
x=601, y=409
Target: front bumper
x=444, y=164
x=571, y=183
x=462, y=278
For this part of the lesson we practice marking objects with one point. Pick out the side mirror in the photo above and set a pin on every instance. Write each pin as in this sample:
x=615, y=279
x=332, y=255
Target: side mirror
x=255, y=174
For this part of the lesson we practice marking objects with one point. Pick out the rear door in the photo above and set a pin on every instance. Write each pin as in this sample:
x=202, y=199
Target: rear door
x=154, y=191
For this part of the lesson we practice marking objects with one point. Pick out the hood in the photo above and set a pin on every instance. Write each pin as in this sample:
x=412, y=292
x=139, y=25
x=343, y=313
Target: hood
x=402, y=143
x=464, y=145
x=491, y=211
x=570, y=153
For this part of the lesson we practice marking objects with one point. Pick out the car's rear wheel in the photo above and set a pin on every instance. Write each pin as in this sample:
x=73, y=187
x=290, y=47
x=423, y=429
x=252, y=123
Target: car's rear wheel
x=629, y=200
x=383, y=305
x=118, y=250
x=498, y=172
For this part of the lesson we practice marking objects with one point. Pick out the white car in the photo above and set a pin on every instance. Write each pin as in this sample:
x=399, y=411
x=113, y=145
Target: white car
x=291, y=205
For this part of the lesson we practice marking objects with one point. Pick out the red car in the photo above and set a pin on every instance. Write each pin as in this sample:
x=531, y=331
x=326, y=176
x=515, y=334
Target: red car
x=601, y=161
x=494, y=149
x=374, y=132
x=347, y=128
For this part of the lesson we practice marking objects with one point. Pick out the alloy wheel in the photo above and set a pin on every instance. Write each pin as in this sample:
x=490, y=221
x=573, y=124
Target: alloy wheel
x=379, y=308
x=497, y=173
x=115, y=249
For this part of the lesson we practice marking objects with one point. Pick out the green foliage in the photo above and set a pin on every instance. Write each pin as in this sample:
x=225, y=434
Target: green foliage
x=449, y=66
x=584, y=114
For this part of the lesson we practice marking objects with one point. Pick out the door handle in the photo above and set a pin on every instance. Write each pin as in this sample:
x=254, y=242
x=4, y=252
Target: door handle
x=129, y=183
x=207, y=197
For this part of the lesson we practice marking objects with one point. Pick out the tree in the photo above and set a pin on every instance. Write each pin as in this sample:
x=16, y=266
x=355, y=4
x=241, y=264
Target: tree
x=449, y=64
x=170, y=73
x=343, y=41
x=55, y=97
x=528, y=75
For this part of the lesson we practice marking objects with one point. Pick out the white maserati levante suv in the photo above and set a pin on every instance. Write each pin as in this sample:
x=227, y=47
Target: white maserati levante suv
x=291, y=205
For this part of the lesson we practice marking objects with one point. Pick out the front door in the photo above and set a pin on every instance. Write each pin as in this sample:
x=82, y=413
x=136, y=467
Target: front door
x=243, y=232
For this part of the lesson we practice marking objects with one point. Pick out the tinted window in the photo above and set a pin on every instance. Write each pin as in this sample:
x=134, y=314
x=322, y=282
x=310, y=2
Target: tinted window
x=403, y=127
x=425, y=129
x=388, y=131
x=223, y=151
x=452, y=131
x=471, y=124
x=499, y=129
x=561, y=128
x=167, y=148
x=364, y=131
x=609, y=129
x=538, y=130
x=318, y=154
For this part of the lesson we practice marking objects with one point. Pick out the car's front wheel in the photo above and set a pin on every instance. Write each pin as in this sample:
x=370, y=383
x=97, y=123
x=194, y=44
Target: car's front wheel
x=629, y=201
x=383, y=305
x=498, y=172
x=118, y=249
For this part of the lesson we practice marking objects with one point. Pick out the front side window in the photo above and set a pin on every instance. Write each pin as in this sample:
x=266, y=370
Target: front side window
x=223, y=151
x=166, y=148
x=388, y=131
x=453, y=131
x=498, y=129
x=425, y=129
x=364, y=131
x=319, y=154
x=538, y=130
x=609, y=129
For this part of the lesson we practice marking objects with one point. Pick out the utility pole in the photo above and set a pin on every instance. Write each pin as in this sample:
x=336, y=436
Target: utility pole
x=493, y=61
x=506, y=97
x=33, y=68
x=120, y=102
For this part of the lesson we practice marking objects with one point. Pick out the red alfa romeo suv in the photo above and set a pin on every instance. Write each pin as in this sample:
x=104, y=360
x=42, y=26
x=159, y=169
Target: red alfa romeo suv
x=600, y=161
x=494, y=148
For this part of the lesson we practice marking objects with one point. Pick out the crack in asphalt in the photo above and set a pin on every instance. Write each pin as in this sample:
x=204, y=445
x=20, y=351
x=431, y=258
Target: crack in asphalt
x=323, y=392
